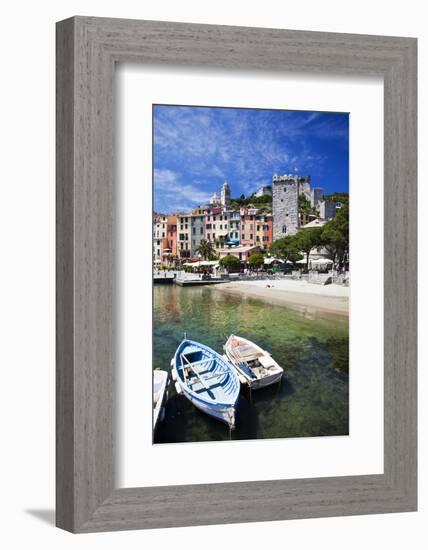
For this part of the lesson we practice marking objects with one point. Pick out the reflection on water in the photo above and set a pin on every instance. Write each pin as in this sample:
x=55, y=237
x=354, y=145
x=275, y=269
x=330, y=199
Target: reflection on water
x=313, y=397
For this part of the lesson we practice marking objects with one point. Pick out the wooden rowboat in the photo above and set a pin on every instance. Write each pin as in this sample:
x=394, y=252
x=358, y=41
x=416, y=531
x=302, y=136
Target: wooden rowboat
x=255, y=366
x=207, y=380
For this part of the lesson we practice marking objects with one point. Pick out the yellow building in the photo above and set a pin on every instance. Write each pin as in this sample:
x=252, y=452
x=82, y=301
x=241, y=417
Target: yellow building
x=184, y=232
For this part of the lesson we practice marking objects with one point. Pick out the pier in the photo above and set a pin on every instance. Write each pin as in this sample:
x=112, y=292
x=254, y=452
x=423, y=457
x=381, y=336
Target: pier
x=163, y=278
x=198, y=282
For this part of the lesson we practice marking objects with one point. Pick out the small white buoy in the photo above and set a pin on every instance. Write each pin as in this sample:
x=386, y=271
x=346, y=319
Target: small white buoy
x=174, y=375
x=178, y=388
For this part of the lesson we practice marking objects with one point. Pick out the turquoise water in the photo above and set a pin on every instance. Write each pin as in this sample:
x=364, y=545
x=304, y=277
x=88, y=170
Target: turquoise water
x=312, y=399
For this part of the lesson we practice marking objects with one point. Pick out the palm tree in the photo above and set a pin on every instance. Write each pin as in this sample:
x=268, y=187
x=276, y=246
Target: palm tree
x=206, y=250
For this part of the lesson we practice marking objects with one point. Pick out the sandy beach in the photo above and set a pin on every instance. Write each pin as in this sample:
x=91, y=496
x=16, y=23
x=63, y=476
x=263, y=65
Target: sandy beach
x=306, y=297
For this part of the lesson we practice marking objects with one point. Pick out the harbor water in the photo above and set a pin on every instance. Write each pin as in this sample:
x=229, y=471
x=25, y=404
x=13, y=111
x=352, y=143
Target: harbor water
x=313, y=348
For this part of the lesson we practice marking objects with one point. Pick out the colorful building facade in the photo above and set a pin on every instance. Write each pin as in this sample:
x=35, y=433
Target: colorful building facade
x=171, y=236
x=159, y=236
x=184, y=235
x=256, y=228
x=176, y=237
x=197, y=229
x=240, y=252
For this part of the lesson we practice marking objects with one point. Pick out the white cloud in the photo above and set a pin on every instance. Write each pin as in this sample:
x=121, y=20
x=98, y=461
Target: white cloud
x=173, y=195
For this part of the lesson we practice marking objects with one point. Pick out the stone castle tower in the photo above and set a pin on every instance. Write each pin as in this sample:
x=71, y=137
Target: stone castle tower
x=225, y=195
x=285, y=205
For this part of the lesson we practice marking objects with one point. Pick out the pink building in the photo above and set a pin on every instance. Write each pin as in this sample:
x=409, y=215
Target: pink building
x=248, y=226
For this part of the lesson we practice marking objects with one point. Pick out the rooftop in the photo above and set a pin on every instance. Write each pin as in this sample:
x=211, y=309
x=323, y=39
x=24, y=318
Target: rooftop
x=314, y=223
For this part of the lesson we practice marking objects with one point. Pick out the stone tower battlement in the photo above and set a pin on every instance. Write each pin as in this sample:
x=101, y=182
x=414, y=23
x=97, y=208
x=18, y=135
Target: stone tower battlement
x=225, y=195
x=285, y=204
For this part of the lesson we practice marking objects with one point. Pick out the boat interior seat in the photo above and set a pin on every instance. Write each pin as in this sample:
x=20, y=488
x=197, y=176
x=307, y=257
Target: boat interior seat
x=201, y=367
x=202, y=389
x=209, y=378
x=191, y=349
x=267, y=361
x=249, y=356
x=206, y=363
x=244, y=348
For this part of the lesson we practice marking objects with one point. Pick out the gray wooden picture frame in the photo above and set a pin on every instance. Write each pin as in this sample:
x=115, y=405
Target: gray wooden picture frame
x=87, y=50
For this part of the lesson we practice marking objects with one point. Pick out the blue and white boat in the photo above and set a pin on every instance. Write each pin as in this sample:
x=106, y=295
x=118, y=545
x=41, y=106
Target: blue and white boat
x=207, y=380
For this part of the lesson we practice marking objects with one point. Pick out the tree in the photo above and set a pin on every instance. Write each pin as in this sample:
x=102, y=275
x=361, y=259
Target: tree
x=332, y=240
x=335, y=235
x=286, y=249
x=256, y=260
x=305, y=206
x=307, y=239
x=337, y=197
x=265, y=201
x=230, y=262
x=206, y=250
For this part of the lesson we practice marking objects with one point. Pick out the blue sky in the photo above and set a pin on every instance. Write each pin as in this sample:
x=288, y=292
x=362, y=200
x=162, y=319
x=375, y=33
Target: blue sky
x=197, y=148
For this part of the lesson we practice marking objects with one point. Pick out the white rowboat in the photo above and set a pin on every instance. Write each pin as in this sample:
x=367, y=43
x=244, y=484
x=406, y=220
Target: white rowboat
x=160, y=383
x=255, y=366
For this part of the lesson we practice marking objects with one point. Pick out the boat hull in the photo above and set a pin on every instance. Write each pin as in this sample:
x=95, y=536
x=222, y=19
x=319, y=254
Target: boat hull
x=259, y=383
x=160, y=383
x=267, y=381
x=224, y=414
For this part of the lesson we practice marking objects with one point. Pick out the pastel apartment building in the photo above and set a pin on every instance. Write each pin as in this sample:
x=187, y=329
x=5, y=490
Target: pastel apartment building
x=217, y=226
x=197, y=229
x=159, y=235
x=171, y=235
x=256, y=228
x=184, y=233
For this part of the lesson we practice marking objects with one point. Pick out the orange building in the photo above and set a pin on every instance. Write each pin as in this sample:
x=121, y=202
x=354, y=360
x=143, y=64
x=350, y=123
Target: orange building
x=264, y=230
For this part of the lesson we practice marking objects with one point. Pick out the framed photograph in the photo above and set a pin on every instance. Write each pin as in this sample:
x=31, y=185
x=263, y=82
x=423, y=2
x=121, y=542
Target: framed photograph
x=248, y=268
x=236, y=274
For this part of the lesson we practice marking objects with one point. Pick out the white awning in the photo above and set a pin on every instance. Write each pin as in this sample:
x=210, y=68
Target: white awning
x=201, y=264
x=322, y=261
x=213, y=262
